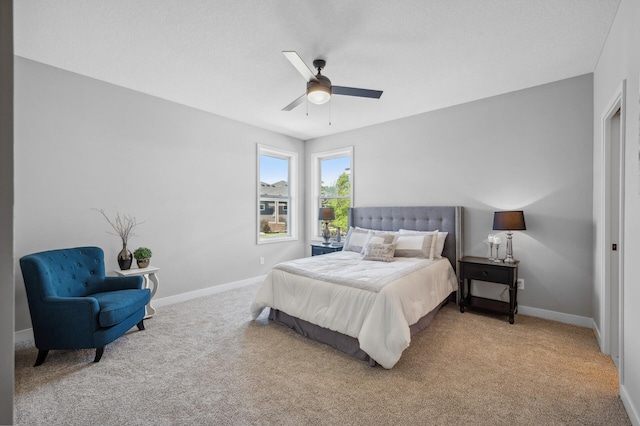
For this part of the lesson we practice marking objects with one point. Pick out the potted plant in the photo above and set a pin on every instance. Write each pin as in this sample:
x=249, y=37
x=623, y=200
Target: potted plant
x=142, y=255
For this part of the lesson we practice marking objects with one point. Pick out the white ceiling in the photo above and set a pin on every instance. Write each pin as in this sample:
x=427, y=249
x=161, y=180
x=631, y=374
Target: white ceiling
x=224, y=56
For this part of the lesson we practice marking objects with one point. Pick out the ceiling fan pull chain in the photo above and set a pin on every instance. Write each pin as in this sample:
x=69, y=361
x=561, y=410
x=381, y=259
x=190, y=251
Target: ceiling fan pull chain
x=329, y=113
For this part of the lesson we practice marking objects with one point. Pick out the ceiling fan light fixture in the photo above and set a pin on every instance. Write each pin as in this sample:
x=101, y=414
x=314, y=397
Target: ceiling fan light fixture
x=318, y=94
x=319, y=88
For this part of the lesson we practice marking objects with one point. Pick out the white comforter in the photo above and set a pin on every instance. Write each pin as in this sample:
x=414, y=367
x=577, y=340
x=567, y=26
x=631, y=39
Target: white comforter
x=375, y=302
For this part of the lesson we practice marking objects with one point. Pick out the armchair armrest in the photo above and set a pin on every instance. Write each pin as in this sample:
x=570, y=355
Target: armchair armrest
x=81, y=303
x=133, y=282
x=66, y=322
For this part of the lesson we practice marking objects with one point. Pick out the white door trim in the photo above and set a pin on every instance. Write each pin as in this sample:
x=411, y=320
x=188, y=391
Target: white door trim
x=618, y=102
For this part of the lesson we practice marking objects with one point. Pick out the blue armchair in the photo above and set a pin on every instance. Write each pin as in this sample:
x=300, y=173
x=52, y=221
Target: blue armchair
x=73, y=305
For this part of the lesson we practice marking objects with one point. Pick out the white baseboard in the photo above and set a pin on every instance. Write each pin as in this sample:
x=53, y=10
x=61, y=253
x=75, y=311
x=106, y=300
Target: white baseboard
x=183, y=297
x=596, y=331
x=26, y=336
x=632, y=411
x=557, y=316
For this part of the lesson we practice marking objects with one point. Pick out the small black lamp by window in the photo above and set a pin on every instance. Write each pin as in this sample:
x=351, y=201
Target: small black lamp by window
x=326, y=214
x=509, y=221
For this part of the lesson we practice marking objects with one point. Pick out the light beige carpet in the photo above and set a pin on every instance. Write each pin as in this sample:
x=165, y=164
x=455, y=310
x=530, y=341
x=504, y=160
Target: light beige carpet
x=203, y=362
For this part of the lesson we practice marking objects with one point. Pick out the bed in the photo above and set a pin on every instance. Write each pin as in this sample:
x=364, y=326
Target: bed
x=369, y=309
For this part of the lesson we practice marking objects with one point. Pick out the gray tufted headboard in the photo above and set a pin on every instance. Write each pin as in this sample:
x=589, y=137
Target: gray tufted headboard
x=420, y=218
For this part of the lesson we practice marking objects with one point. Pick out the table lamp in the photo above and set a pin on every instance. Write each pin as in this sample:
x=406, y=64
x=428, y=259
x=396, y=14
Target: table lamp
x=509, y=221
x=326, y=214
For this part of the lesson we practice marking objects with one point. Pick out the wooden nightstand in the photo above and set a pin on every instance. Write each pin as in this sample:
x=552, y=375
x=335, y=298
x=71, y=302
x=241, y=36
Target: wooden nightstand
x=483, y=269
x=318, y=249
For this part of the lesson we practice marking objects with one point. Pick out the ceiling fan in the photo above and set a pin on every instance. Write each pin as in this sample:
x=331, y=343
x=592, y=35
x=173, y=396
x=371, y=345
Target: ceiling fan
x=319, y=88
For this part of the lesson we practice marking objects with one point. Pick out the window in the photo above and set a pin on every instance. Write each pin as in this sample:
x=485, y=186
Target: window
x=333, y=187
x=277, y=171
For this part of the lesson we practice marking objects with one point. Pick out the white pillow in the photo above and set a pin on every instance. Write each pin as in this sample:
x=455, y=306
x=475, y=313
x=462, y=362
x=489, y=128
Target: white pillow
x=442, y=236
x=356, y=239
x=439, y=241
x=414, y=244
x=382, y=237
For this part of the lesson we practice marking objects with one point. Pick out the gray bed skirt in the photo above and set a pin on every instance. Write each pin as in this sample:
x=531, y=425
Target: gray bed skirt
x=342, y=342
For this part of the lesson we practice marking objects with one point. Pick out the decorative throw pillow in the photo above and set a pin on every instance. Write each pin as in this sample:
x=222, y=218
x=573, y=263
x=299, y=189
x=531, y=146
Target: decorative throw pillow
x=414, y=244
x=356, y=239
x=379, y=252
x=382, y=237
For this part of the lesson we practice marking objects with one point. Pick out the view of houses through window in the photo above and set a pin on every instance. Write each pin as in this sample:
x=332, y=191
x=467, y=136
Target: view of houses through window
x=333, y=179
x=274, y=194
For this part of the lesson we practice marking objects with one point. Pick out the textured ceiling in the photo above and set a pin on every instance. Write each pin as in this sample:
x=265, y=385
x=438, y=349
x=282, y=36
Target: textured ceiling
x=224, y=56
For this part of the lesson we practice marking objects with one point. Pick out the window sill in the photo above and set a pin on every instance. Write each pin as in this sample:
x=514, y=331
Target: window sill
x=277, y=240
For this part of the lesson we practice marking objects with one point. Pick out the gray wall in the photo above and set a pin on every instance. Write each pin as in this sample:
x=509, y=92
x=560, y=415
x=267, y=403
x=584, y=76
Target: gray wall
x=189, y=175
x=620, y=61
x=6, y=213
x=527, y=150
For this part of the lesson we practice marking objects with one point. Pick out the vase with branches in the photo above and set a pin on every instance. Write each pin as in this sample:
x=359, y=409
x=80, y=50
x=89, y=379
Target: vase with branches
x=123, y=225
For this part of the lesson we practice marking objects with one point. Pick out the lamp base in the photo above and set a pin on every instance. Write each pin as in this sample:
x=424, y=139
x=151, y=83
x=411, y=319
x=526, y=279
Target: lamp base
x=509, y=258
x=326, y=234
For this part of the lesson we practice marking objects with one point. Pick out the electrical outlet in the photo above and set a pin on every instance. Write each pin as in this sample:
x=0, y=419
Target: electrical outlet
x=520, y=283
x=262, y=261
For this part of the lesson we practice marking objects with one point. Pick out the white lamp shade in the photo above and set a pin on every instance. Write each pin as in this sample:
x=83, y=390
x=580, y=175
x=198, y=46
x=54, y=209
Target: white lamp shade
x=319, y=94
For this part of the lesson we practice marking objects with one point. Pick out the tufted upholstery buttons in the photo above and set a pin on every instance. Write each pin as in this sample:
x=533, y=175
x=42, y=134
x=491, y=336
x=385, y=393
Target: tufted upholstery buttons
x=85, y=284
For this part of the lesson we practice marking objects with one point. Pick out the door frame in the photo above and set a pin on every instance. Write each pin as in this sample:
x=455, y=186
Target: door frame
x=618, y=102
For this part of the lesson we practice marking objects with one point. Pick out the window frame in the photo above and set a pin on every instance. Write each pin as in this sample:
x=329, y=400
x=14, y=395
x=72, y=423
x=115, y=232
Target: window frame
x=292, y=202
x=316, y=184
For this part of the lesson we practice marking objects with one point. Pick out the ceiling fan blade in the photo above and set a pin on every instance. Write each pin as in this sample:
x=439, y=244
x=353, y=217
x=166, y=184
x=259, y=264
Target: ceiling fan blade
x=302, y=68
x=295, y=103
x=352, y=91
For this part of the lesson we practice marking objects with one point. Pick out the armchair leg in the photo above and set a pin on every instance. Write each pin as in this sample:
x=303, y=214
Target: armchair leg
x=42, y=354
x=141, y=325
x=99, y=352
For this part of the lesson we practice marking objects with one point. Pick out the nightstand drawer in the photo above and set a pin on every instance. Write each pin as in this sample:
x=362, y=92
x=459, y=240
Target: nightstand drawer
x=486, y=273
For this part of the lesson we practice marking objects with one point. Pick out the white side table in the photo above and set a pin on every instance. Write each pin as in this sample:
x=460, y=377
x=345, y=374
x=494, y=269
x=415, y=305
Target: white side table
x=148, y=275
